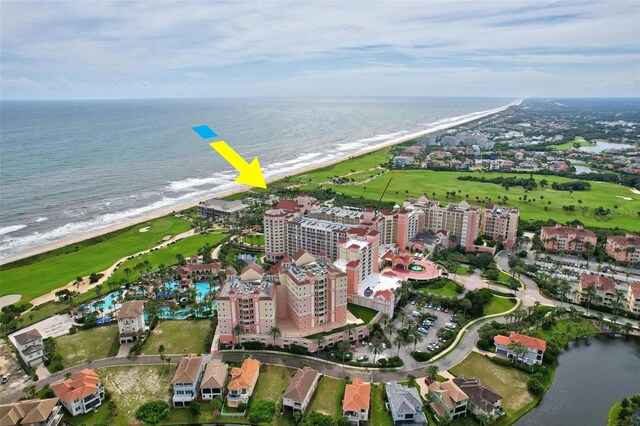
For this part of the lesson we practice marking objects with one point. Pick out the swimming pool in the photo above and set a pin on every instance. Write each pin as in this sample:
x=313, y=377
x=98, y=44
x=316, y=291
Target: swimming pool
x=202, y=289
x=107, y=304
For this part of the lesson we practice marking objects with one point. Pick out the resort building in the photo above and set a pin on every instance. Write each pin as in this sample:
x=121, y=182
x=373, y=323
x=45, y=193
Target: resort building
x=605, y=289
x=36, y=412
x=533, y=348
x=355, y=404
x=30, y=347
x=242, y=382
x=633, y=298
x=624, y=248
x=185, y=380
x=131, y=323
x=301, y=389
x=213, y=378
x=222, y=209
x=316, y=236
x=81, y=393
x=567, y=239
x=461, y=221
x=196, y=272
x=485, y=400
x=500, y=223
x=448, y=400
x=404, y=404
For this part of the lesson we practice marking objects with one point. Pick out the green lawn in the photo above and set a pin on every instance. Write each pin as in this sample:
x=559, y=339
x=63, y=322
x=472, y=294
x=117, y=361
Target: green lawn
x=509, y=382
x=272, y=382
x=88, y=345
x=614, y=413
x=254, y=239
x=568, y=329
x=568, y=145
x=361, y=312
x=167, y=255
x=42, y=276
x=328, y=397
x=130, y=387
x=428, y=182
x=498, y=305
x=180, y=337
x=448, y=289
x=379, y=414
x=464, y=270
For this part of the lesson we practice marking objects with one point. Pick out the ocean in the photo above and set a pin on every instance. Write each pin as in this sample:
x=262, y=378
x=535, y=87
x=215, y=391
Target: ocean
x=72, y=167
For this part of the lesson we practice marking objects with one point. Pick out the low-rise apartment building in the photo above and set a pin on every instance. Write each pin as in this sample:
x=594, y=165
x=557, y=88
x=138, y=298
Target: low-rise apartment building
x=81, y=393
x=448, y=400
x=624, y=248
x=243, y=381
x=567, y=239
x=605, y=289
x=356, y=401
x=404, y=404
x=185, y=380
x=32, y=412
x=30, y=347
x=213, y=379
x=633, y=298
x=301, y=389
x=532, y=348
x=131, y=324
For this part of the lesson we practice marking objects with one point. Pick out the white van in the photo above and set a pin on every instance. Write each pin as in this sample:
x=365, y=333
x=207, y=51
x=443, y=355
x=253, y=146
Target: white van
x=416, y=314
x=450, y=325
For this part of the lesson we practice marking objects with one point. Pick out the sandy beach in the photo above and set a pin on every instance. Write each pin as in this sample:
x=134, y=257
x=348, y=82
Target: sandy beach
x=68, y=241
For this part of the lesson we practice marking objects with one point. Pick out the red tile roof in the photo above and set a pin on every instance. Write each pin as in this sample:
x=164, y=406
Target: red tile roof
x=79, y=385
x=600, y=282
x=526, y=341
x=356, y=396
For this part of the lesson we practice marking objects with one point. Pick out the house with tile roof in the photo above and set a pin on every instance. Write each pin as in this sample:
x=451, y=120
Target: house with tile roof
x=243, y=381
x=36, y=412
x=301, y=389
x=30, y=347
x=81, y=393
x=131, y=324
x=185, y=380
x=404, y=404
x=535, y=347
x=355, y=404
x=448, y=400
x=215, y=374
x=485, y=400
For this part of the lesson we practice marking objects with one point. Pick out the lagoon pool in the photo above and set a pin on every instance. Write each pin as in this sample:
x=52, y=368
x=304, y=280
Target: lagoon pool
x=108, y=304
x=202, y=289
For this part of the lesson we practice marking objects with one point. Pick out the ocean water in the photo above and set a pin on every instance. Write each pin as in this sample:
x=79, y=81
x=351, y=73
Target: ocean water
x=71, y=167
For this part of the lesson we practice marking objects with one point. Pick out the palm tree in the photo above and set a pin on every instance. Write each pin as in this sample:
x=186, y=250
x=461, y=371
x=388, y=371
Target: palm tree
x=275, y=333
x=389, y=329
x=591, y=294
x=385, y=319
x=376, y=348
x=237, y=330
x=399, y=342
x=319, y=342
x=416, y=337
x=432, y=371
x=127, y=271
x=402, y=315
x=565, y=288
x=343, y=346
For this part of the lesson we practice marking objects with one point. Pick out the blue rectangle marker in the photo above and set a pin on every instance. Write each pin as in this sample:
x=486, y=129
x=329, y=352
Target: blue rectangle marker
x=205, y=132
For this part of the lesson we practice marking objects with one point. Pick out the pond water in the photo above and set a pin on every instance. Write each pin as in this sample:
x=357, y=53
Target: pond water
x=592, y=375
x=581, y=169
x=602, y=146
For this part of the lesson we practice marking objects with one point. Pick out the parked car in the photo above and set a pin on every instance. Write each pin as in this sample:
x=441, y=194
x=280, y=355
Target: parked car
x=423, y=330
x=416, y=314
x=363, y=358
x=5, y=378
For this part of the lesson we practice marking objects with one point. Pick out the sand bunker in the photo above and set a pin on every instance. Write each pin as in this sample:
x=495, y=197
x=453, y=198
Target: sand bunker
x=624, y=198
x=166, y=238
x=145, y=229
x=635, y=191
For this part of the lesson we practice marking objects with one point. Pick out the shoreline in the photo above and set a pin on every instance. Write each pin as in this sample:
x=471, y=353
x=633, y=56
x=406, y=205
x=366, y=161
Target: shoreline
x=23, y=254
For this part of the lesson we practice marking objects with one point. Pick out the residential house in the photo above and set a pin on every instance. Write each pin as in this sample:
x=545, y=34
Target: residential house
x=605, y=289
x=301, y=389
x=131, y=321
x=485, y=400
x=215, y=374
x=624, y=248
x=243, y=380
x=185, y=380
x=81, y=393
x=534, y=347
x=30, y=347
x=404, y=404
x=355, y=404
x=633, y=298
x=567, y=239
x=448, y=400
x=36, y=412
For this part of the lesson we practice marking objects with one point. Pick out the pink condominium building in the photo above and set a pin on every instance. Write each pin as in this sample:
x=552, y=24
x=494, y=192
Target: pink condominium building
x=567, y=239
x=500, y=223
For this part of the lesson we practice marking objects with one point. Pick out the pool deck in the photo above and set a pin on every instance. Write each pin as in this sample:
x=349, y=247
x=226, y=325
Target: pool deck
x=431, y=271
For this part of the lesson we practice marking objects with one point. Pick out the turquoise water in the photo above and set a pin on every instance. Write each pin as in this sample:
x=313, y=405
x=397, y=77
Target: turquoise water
x=417, y=268
x=202, y=289
x=109, y=303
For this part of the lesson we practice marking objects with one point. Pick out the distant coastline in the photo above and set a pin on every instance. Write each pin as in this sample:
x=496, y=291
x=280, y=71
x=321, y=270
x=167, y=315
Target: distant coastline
x=454, y=122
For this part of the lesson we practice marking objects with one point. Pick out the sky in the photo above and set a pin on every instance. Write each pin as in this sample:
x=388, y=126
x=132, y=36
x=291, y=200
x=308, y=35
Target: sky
x=163, y=49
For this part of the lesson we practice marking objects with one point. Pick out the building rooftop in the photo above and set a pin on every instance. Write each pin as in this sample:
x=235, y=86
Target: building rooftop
x=404, y=400
x=79, y=385
x=28, y=336
x=560, y=230
x=234, y=285
x=481, y=395
x=242, y=378
x=224, y=205
x=301, y=384
x=131, y=309
x=526, y=341
x=349, y=212
x=323, y=225
x=32, y=411
x=187, y=371
x=304, y=273
x=600, y=282
x=357, y=396
x=629, y=240
x=450, y=393
x=215, y=374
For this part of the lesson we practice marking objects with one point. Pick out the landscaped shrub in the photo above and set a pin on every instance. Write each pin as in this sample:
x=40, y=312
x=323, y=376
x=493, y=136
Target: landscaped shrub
x=252, y=346
x=318, y=419
x=153, y=412
x=421, y=356
x=262, y=412
x=485, y=344
x=534, y=384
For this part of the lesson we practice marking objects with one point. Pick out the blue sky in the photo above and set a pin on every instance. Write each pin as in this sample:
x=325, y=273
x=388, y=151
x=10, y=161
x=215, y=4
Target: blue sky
x=87, y=49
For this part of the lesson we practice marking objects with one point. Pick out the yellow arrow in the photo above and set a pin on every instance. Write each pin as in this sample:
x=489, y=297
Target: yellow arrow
x=250, y=173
